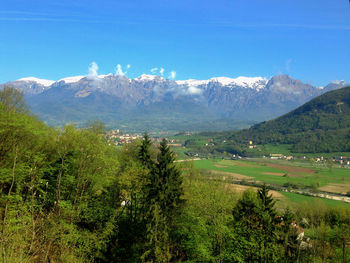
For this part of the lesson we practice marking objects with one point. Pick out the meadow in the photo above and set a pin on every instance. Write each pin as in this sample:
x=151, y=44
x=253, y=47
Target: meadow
x=280, y=173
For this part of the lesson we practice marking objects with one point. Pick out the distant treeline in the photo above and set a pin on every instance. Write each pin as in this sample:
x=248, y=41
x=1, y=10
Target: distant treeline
x=66, y=195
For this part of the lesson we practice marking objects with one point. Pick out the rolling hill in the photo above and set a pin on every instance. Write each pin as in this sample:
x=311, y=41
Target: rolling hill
x=320, y=125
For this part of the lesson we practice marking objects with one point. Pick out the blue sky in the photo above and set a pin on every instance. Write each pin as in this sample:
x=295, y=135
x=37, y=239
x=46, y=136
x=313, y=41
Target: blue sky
x=309, y=40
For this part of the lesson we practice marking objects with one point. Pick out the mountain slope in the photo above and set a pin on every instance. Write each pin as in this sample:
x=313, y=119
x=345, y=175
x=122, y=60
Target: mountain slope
x=118, y=100
x=321, y=125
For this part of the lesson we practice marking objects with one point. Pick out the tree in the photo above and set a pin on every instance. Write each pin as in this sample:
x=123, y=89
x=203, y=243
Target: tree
x=170, y=180
x=145, y=154
x=12, y=100
x=255, y=222
x=163, y=197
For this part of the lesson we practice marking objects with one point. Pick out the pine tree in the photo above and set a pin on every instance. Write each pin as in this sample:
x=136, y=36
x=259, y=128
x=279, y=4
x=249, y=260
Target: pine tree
x=266, y=201
x=170, y=181
x=255, y=223
x=163, y=196
x=144, y=152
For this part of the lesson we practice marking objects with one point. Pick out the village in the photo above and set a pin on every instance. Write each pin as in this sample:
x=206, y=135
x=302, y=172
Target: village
x=117, y=137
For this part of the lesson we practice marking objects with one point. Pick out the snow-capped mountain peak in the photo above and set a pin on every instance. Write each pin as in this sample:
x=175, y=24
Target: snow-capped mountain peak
x=43, y=82
x=245, y=82
x=146, y=77
x=192, y=82
x=104, y=76
x=72, y=79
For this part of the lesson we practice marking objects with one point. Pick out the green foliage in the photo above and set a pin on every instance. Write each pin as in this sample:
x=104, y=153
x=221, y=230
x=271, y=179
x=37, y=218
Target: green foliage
x=12, y=100
x=256, y=222
x=203, y=233
x=68, y=196
x=53, y=186
x=163, y=194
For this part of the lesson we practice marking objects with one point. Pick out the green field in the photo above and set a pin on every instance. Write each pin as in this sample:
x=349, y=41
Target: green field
x=279, y=173
x=259, y=171
x=293, y=198
x=179, y=151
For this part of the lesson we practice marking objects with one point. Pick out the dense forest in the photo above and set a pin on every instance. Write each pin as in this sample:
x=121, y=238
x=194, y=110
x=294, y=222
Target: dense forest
x=66, y=195
x=320, y=126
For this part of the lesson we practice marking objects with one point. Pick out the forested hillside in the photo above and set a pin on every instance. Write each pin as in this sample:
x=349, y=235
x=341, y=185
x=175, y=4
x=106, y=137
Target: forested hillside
x=66, y=195
x=321, y=125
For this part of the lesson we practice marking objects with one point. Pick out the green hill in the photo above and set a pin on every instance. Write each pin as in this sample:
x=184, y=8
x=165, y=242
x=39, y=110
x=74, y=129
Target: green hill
x=321, y=125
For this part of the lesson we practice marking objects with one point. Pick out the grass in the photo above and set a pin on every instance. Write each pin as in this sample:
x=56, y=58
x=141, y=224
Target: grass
x=179, y=151
x=292, y=198
x=259, y=170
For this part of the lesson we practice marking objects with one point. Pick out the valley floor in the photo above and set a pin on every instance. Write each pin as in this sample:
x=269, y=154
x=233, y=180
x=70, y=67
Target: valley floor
x=292, y=182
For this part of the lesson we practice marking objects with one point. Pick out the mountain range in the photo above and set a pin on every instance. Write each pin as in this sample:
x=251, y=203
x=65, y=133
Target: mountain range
x=153, y=102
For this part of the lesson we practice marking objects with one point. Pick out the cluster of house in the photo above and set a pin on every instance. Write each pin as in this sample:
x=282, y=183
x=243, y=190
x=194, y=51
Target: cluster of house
x=341, y=160
x=118, y=138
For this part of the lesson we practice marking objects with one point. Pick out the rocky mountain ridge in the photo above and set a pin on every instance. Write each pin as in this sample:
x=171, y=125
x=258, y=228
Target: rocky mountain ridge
x=117, y=97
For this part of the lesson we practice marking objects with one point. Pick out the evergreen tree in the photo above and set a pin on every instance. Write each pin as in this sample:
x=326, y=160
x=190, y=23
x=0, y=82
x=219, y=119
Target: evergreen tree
x=144, y=153
x=163, y=196
x=255, y=221
x=170, y=180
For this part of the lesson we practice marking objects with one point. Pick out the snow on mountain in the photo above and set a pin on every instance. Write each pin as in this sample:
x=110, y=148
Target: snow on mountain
x=192, y=82
x=246, y=82
x=104, y=76
x=72, y=79
x=75, y=79
x=146, y=77
x=43, y=82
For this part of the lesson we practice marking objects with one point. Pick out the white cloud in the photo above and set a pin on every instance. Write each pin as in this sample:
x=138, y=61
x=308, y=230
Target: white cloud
x=93, y=70
x=194, y=90
x=172, y=74
x=158, y=70
x=161, y=71
x=154, y=70
x=119, y=70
